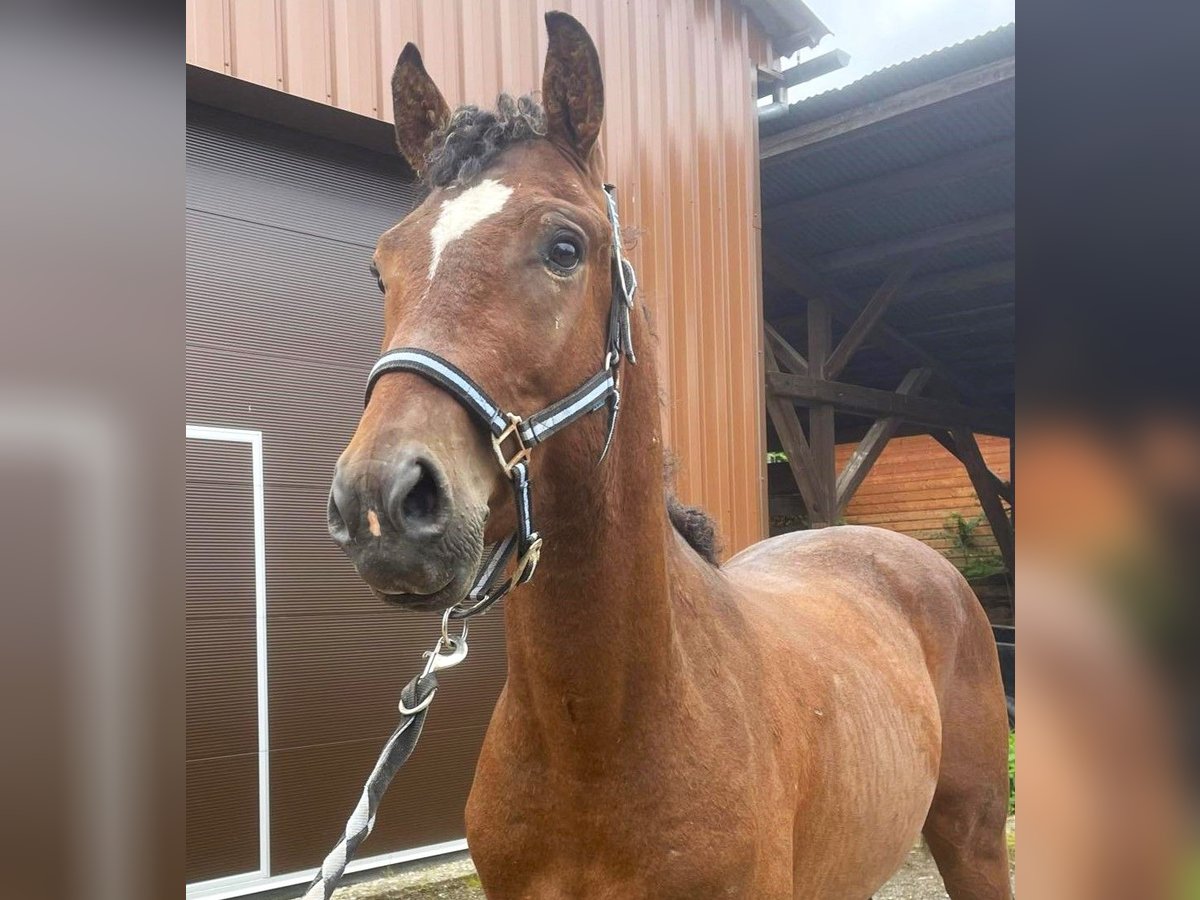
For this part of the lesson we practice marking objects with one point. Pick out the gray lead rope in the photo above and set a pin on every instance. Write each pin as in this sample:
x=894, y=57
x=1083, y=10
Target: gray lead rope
x=416, y=695
x=512, y=439
x=414, y=704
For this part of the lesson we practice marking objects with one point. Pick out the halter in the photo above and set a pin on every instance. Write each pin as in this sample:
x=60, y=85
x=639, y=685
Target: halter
x=514, y=437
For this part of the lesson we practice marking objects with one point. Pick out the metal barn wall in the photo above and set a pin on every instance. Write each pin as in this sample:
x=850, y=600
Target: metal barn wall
x=681, y=141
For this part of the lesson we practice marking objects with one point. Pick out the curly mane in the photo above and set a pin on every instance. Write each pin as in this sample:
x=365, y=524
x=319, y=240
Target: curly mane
x=696, y=527
x=474, y=137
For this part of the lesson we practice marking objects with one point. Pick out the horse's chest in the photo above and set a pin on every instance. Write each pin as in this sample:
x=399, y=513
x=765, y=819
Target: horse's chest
x=640, y=831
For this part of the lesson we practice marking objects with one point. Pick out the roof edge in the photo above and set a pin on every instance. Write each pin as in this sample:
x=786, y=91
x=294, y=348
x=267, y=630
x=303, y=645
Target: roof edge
x=790, y=24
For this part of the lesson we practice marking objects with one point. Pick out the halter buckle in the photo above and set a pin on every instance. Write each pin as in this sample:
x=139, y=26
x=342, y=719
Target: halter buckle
x=522, y=452
x=529, y=560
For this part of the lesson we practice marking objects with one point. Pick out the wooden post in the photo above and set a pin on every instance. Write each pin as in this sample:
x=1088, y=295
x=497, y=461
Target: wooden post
x=795, y=445
x=989, y=499
x=1012, y=481
x=820, y=415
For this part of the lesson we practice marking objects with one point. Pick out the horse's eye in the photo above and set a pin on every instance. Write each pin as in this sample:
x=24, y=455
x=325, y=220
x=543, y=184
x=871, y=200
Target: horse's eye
x=378, y=279
x=563, y=255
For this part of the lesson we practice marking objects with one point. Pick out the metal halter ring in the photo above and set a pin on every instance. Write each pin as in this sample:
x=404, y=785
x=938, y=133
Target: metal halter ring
x=529, y=560
x=455, y=648
x=436, y=660
x=424, y=704
x=449, y=641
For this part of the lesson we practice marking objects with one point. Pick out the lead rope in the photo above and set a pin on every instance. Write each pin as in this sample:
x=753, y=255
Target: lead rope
x=490, y=584
x=414, y=705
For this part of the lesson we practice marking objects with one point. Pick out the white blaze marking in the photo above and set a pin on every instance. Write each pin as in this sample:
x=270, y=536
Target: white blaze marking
x=460, y=214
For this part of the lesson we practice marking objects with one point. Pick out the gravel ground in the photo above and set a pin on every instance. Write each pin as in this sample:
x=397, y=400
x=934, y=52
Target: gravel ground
x=917, y=879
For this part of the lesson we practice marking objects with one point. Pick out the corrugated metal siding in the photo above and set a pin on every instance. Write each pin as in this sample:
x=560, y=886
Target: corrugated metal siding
x=283, y=321
x=916, y=484
x=680, y=140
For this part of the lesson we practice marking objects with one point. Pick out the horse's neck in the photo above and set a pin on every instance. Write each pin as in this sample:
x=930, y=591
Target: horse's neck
x=589, y=637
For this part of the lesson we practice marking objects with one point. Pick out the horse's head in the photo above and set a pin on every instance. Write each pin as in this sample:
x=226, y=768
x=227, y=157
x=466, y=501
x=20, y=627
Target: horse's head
x=504, y=271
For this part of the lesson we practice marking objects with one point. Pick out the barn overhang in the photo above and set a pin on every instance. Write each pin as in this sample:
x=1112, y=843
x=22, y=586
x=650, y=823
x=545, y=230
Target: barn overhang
x=888, y=218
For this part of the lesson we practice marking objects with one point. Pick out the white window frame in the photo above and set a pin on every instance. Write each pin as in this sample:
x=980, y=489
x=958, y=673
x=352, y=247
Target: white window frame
x=254, y=439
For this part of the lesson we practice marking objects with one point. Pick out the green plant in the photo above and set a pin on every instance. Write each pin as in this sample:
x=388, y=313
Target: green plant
x=776, y=456
x=780, y=524
x=973, y=559
x=1012, y=772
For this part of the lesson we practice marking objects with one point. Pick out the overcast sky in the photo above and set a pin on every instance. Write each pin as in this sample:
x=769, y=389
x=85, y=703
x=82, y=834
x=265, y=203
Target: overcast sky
x=878, y=33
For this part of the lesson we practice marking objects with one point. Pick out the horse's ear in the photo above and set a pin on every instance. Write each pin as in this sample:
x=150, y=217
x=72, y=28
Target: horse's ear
x=419, y=107
x=572, y=87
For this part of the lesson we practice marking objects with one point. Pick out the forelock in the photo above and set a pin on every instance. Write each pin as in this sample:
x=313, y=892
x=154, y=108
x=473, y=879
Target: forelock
x=474, y=137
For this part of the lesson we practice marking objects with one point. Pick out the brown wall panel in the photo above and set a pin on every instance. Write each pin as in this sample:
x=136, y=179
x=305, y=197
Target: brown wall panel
x=220, y=663
x=222, y=708
x=222, y=816
x=423, y=806
x=681, y=143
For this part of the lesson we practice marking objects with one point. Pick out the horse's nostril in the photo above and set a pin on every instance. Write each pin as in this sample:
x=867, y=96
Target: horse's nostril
x=339, y=530
x=423, y=502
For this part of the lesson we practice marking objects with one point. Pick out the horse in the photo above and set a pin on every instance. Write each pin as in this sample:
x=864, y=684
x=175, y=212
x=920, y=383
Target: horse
x=783, y=725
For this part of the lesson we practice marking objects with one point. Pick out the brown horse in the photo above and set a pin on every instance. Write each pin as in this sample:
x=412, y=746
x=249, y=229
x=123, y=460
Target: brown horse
x=784, y=725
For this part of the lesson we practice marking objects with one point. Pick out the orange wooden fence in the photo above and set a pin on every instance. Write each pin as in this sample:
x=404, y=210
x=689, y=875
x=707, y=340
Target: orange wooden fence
x=916, y=485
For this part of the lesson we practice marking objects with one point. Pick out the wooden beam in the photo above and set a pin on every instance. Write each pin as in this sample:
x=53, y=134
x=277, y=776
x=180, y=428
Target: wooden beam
x=871, y=446
x=952, y=281
x=942, y=238
x=1001, y=487
x=977, y=470
x=808, y=281
x=902, y=108
x=785, y=354
x=795, y=444
x=821, y=436
x=967, y=278
x=943, y=170
x=868, y=318
x=872, y=402
x=1002, y=327
x=961, y=315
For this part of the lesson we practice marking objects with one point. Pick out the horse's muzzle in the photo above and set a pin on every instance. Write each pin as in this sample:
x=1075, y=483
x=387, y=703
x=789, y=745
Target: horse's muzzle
x=395, y=517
